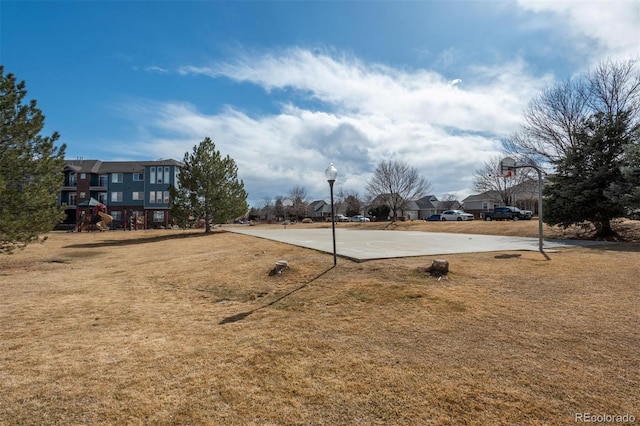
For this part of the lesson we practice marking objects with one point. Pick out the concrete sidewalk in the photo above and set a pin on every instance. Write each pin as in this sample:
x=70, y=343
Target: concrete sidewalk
x=363, y=245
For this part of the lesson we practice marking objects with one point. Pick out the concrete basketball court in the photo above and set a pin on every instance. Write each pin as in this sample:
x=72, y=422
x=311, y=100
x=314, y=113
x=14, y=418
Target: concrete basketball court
x=360, y=245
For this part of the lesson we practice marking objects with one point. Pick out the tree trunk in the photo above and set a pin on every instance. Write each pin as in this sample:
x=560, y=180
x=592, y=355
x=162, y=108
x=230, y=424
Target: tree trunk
x=603, y=229
x=438, y=268
x=207, y=223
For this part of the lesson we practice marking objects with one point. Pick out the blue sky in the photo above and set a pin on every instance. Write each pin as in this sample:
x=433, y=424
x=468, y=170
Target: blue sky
x=287, y=87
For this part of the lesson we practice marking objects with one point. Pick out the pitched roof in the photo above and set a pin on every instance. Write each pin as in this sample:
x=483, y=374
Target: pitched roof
x=320, y=206
x=428, y=202
x=411, y=205
x=97, y=166
x=84, y=166
x=488, y=195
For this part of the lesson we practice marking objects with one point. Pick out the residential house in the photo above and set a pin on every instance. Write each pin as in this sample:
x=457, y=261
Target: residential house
x=477, y=204
x=319, y=210
x=426, y=206
x=431, y=205
x=138, y=189
x=524, y=196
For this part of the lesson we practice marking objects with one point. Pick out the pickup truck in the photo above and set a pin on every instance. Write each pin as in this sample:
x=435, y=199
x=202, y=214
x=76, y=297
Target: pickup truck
x=505, y=213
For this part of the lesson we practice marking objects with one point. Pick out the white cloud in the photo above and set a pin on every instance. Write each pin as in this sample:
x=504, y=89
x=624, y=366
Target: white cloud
x=151, y=69
x=370, y=112
x=156, y=69
x=351, y=87
x=598, y=29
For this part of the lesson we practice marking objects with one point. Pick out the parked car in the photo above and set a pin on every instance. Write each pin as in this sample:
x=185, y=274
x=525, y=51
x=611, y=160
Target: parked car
x=359, y=218
x=528, y=214
x=456, y=215
x=505, y=213
x=434, y=218
x=339, y=218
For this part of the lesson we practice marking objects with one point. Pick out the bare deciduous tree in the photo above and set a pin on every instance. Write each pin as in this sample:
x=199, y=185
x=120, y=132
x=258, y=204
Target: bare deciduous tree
x=395, y=183
x=298, y=195
x=552, y=119
x=267, y=207
x=448, y=202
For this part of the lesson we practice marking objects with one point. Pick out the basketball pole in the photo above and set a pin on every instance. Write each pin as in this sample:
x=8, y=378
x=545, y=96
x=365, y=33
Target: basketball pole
x=537, y=169
x=508, y=165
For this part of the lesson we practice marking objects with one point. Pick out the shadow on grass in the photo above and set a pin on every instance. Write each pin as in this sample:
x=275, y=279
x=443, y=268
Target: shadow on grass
x=506, y=256
x=627, y=247
x=243, y=315
x=144, y=240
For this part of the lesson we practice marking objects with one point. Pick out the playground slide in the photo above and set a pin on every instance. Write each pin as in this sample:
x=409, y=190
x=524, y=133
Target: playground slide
x=106, y=218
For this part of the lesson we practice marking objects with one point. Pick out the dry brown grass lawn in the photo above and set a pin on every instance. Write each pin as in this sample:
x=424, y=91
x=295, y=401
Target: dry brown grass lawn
x=177, y=327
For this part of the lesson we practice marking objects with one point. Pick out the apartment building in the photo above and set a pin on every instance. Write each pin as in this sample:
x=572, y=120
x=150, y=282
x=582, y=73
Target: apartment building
x=138, y=189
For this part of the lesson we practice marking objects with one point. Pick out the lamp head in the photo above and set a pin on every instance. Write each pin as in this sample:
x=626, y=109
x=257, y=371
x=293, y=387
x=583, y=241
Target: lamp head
x=331, y=173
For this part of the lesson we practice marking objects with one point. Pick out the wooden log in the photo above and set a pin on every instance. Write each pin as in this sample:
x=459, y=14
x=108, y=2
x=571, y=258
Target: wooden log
x=438, y=268
x=280, y=266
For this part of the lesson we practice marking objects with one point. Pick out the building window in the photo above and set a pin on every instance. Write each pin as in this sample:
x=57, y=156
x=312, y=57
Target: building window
x=116, y=177
x=104, y=180
x=166, y=175
x=137, y=196
x=156, y=197
x=158, y=216
x=116, y=197
x=116, y=214
x=72, y=199
x=83, y=176
x=138, y=177
x=102, y=197
x=485, y=205
x=73, y=179
x=152, y=175
x=83, y=195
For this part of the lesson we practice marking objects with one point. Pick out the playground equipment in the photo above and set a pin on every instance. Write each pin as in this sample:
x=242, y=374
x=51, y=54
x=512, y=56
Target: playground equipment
x=97, y=219
x=106, y=220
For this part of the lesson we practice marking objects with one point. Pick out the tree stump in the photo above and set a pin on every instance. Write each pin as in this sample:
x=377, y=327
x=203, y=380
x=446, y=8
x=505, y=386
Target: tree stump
x=280, y=266
x=438, y=268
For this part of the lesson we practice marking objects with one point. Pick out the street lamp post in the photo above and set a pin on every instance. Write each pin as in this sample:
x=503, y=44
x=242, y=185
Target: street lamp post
x=331, y=173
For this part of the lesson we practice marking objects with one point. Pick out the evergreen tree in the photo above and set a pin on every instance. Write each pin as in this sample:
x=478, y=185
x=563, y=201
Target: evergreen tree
x=631, y=172
x=31, y=169
x=208, y=187
x=589, y=184
x=353, y=205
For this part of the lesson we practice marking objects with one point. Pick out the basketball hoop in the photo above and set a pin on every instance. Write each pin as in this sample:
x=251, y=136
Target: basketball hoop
x=507, y=168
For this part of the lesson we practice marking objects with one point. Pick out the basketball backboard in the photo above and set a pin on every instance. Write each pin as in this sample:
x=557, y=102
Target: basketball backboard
x=507, y=167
